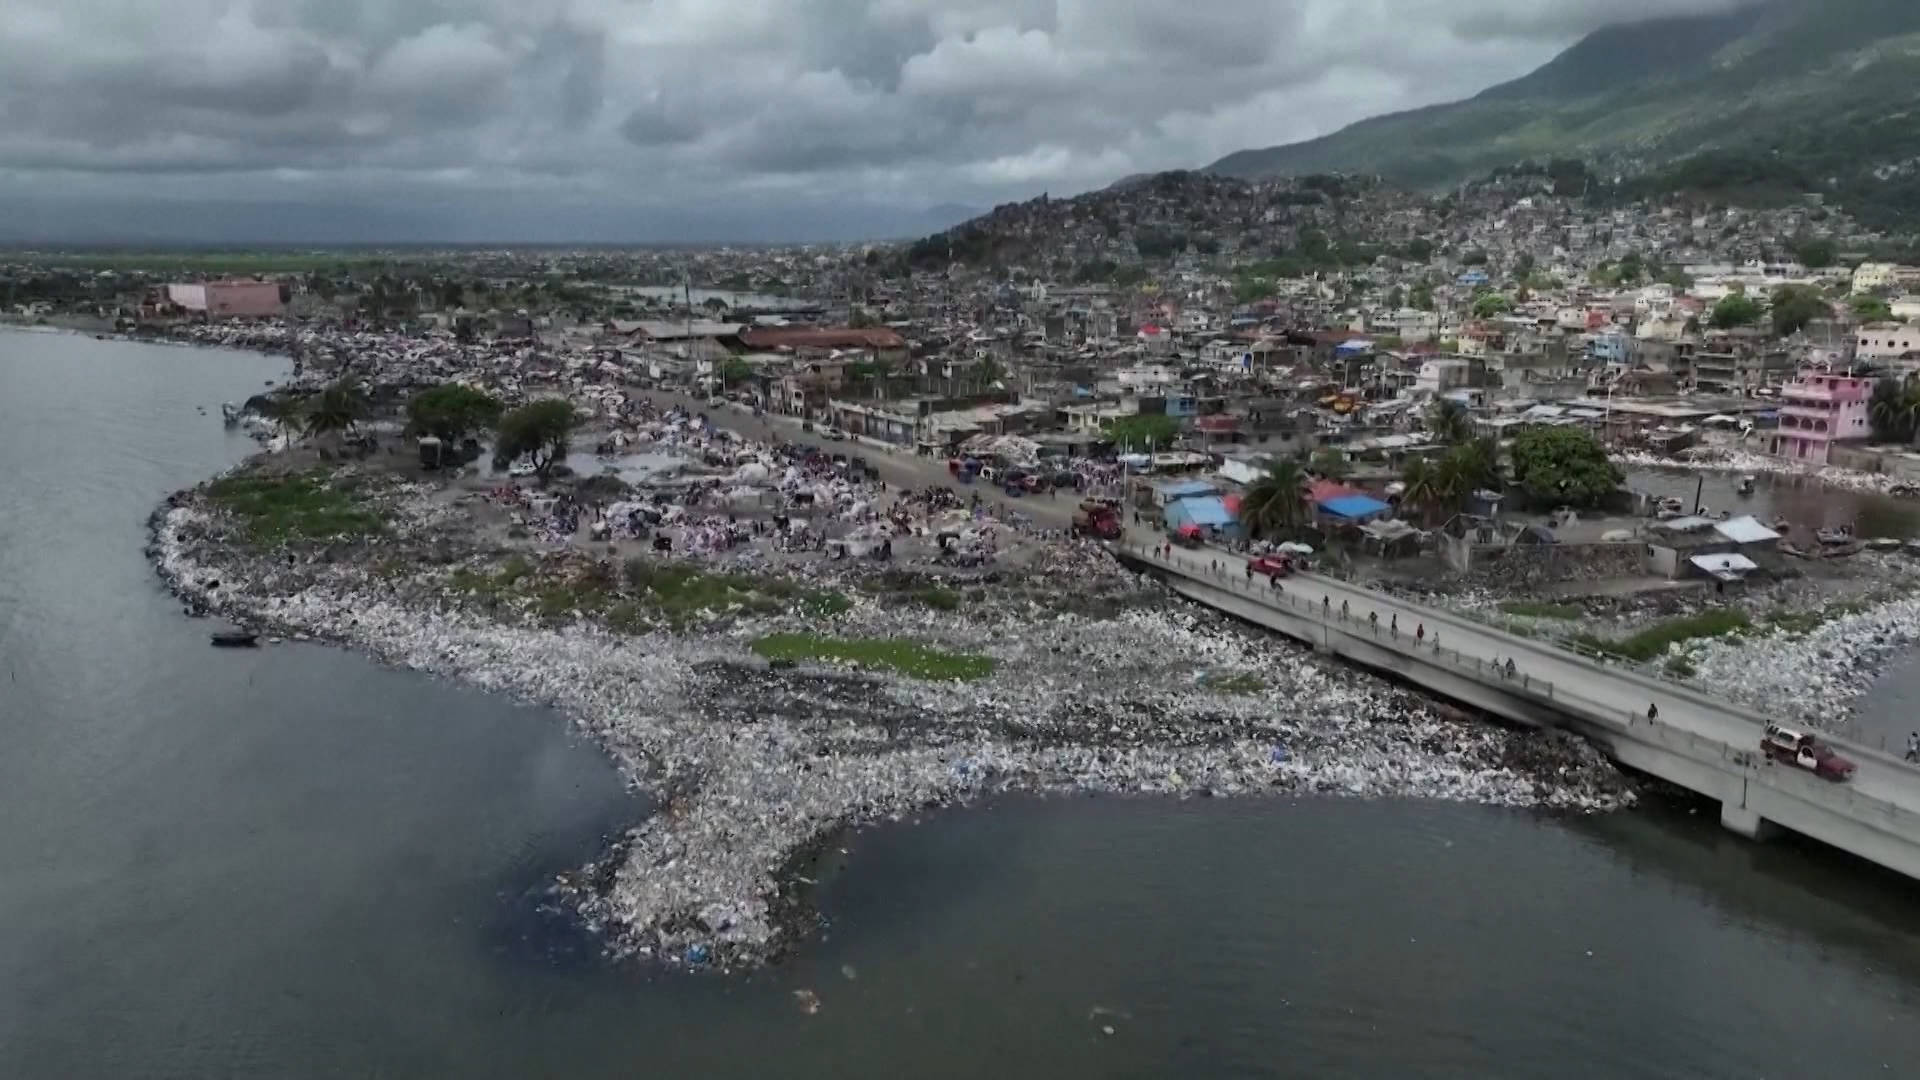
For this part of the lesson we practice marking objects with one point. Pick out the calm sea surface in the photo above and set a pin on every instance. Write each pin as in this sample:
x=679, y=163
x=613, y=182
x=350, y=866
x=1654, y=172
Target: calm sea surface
x=292, y=863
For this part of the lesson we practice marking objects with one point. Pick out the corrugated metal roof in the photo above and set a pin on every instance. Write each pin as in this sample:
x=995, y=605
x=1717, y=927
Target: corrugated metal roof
x=1746, y=529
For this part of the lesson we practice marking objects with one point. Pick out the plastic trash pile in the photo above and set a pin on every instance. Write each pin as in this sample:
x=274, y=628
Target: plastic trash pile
x=1817, y=677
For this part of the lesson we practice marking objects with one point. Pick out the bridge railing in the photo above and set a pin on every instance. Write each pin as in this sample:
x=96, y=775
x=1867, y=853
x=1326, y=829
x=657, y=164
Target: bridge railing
x=1273, y=593
x=1749, y=760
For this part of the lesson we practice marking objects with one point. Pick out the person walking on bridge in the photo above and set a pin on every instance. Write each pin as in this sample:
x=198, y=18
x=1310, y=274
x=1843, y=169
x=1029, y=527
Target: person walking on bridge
x=1420, y=632
x=1913, y=746
x=1653, y=711
x=1343, y=609
x=1393, y=624
x=1326, y=604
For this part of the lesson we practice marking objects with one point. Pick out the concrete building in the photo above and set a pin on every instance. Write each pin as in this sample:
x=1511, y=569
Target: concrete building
x=229, y=298
x=1886, y=341
x=1818, y=410
x=1870, y=276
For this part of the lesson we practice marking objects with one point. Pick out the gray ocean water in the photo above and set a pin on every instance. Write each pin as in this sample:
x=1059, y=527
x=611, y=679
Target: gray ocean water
x=292, y=863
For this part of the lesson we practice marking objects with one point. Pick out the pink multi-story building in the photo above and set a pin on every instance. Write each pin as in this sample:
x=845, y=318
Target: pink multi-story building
x=1819, y=410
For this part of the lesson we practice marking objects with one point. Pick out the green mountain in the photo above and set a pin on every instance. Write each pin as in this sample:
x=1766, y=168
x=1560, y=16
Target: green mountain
x=1800, y=95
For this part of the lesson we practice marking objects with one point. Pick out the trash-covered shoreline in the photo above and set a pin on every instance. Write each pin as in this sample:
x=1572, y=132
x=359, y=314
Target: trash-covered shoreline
x=753, y=766
x=1722, y=459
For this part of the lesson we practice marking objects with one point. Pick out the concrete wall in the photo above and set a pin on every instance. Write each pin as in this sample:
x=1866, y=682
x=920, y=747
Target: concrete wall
x=1853, y=457
x=243, y=299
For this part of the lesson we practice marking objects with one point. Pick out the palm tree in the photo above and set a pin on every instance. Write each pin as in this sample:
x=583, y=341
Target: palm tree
x=1451, y=482
x=1275, y=504
x=335, y=409
x=1420, y=489
x=1449, y=422
x=1479, y=465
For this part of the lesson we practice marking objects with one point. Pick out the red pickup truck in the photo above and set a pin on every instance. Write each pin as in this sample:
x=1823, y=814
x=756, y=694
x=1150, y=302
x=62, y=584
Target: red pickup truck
x=1272, y=565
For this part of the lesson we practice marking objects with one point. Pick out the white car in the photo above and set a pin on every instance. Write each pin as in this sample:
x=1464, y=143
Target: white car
x=716, y=402
x=521, y=468
x=833, y=433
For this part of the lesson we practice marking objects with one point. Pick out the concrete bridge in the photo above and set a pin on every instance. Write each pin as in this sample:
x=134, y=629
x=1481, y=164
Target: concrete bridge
x=1706, y=745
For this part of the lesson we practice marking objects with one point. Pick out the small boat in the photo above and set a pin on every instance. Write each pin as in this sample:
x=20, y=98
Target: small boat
x=1841, y=535
x=1745, y=487
x=235, y=639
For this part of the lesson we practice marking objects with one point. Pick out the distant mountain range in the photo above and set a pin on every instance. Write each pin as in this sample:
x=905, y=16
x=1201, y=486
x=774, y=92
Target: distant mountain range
x=1776, y=96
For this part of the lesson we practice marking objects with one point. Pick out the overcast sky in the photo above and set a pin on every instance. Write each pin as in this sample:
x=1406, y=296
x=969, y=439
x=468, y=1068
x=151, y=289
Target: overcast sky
x=674, y=120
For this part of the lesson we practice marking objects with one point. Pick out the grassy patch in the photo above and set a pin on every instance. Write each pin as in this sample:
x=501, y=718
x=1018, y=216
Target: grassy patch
x=295, y=507
x=1806, y=622
x=1535, y=610
x=1657, y=639
x=680, y=591
x=1681, y=668
x=1240, y=683
x=905, y=657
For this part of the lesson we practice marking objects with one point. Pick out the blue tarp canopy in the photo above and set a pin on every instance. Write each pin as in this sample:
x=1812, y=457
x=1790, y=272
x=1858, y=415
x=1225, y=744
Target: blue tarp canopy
x=1355, y=507
x=1204, y=512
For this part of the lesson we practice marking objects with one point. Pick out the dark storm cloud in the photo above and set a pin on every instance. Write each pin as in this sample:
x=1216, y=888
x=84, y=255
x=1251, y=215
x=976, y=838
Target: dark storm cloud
x=667, y=105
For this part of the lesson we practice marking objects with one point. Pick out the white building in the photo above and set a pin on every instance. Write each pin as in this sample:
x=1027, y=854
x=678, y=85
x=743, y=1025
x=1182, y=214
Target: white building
x=1886, y=341
x=1412, y=325
x=1870, y=276
x=1147, y=376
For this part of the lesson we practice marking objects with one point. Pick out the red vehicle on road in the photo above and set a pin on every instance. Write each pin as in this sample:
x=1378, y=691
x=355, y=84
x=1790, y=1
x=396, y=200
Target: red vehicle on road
x=1802, y=750
x=1273, y=566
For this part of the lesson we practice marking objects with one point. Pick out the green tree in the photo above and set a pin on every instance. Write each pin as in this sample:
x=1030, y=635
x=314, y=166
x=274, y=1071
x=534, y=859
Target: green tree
x=1396, y=298
x=1329, y=463
x=1141, y=432
x=1474, y=257
x=1523, y=266
x=1422, y=297
x=1419, y=249
x=1449, y=422
x=542, y=430
x=1794, y=306
x=1735, y=310
x=1473, y=466
x=1816, y=253
x=335, y=409
x=1276, y=504
x=1894, y=410
x=1871, y=309
x=733, y=371
x=1491, y=305
x=1563, y=465
x=452, y=412
x=1421, y=489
